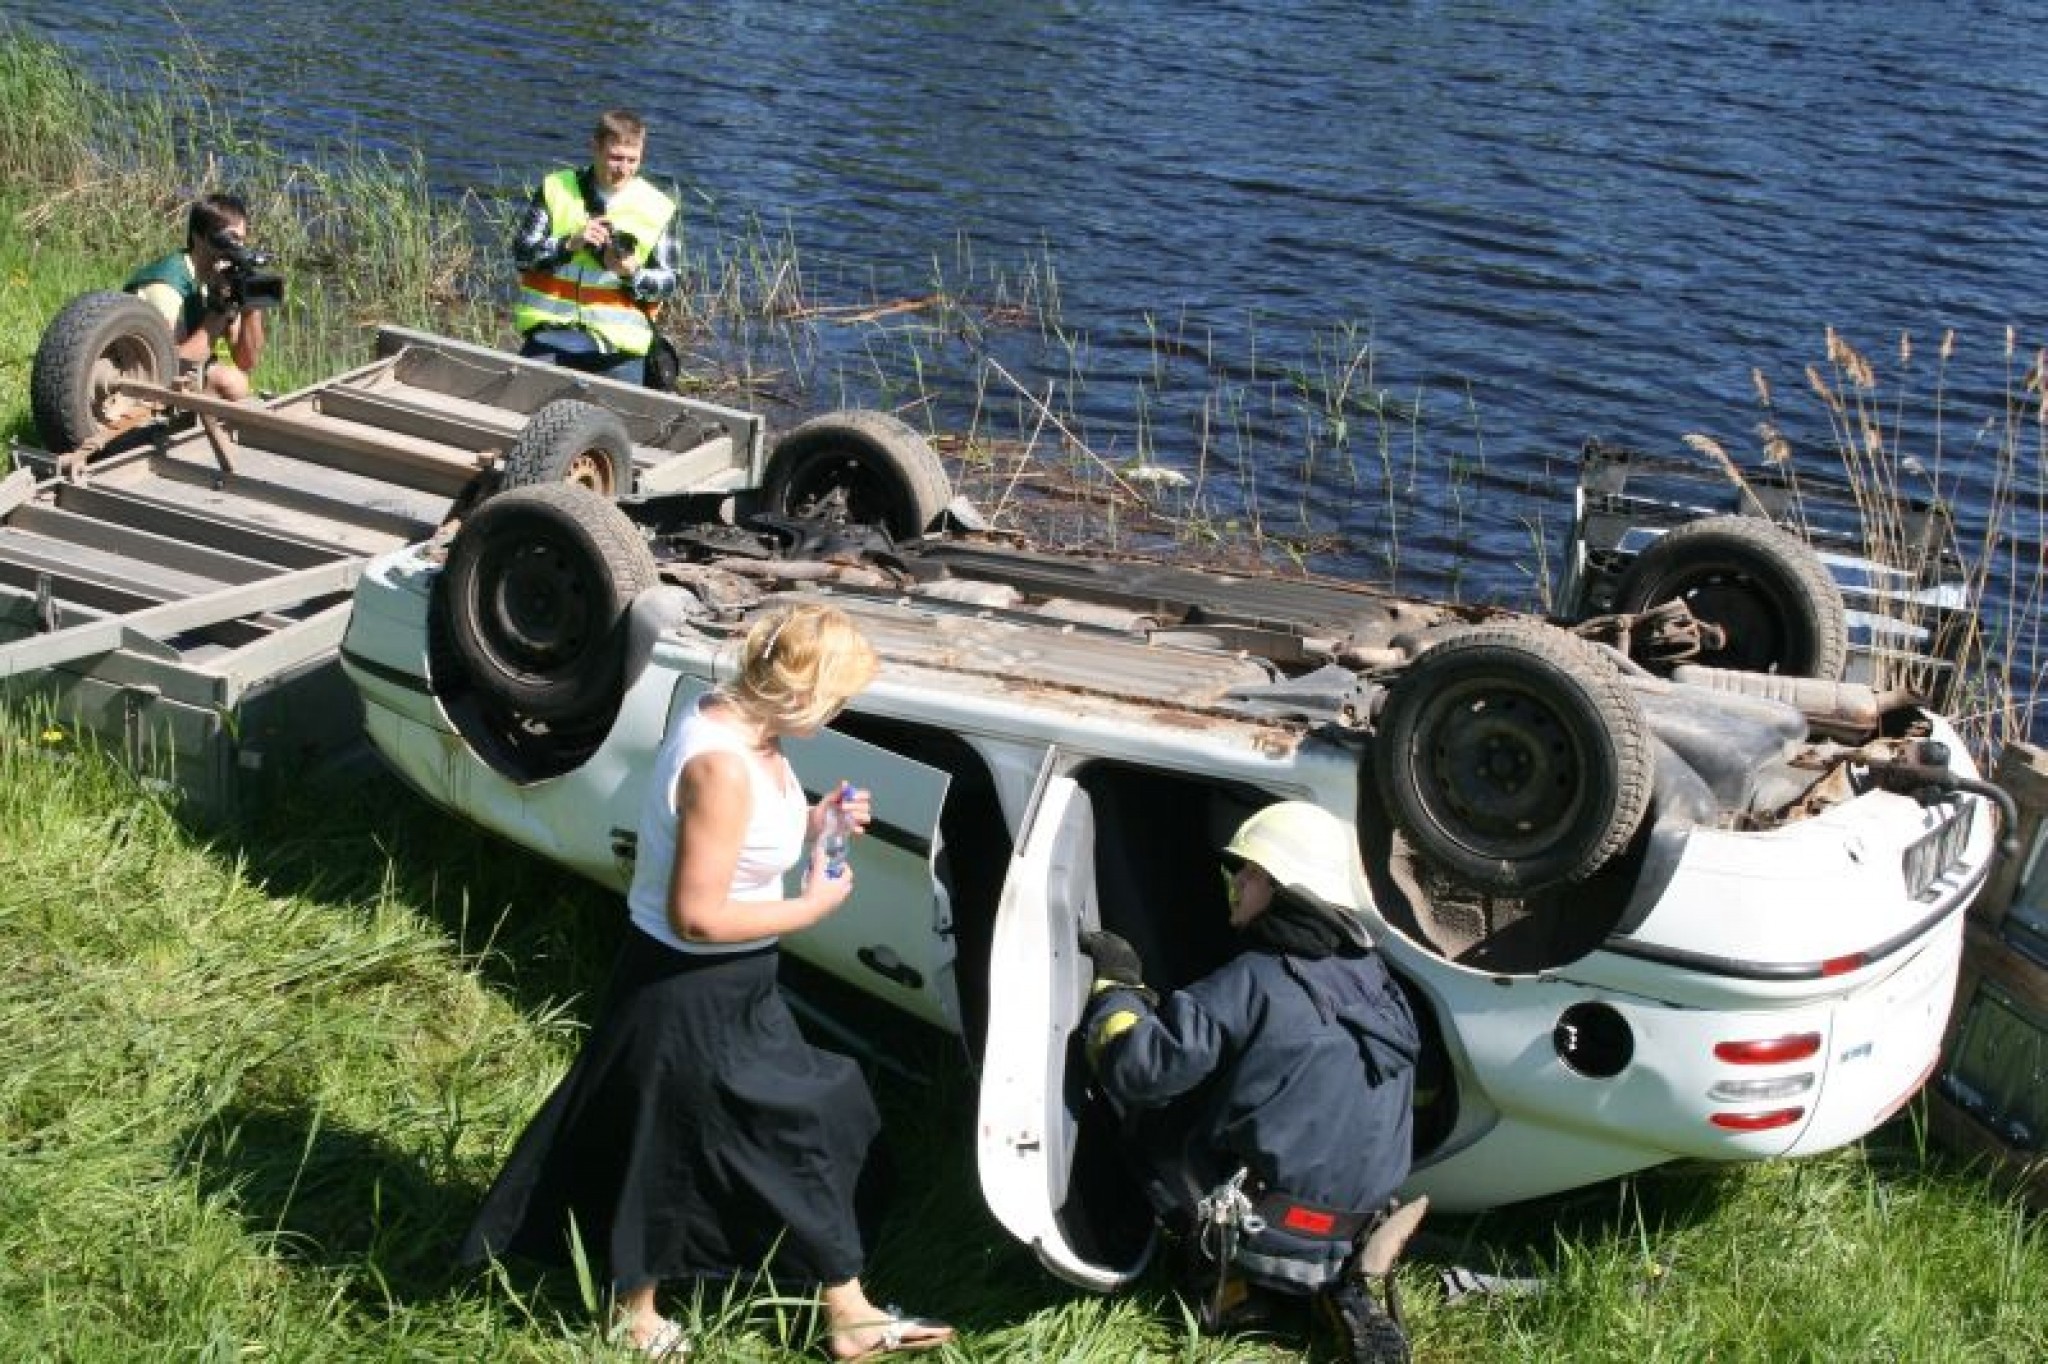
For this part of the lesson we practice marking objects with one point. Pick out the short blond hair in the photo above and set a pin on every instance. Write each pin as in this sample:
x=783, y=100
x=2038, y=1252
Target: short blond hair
x=799, y=665
x=619, y=125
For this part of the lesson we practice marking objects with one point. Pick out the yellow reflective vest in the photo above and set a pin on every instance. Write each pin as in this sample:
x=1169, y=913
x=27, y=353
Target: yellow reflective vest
x=579, y=291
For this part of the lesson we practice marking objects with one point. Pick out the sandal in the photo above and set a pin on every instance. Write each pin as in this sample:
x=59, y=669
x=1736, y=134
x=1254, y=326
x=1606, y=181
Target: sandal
x=669, y=1341
x=900, y=1335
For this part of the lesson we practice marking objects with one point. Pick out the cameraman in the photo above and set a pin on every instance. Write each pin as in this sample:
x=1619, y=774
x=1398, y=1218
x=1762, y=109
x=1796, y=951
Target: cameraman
x=195, y=292
x=597, y=253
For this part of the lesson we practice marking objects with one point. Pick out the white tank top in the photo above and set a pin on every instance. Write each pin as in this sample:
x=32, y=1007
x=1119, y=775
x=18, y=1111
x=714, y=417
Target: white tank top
x=774, y=836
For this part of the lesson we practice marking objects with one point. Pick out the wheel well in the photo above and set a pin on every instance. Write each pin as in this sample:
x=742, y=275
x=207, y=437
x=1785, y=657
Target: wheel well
x=1511, y=935
x=515, y=747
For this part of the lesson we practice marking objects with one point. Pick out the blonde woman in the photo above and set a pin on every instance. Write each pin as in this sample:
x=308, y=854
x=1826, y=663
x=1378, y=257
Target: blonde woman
x=698, y=1135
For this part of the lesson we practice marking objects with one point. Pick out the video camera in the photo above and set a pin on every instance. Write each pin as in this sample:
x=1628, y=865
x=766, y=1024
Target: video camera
x=246, y=277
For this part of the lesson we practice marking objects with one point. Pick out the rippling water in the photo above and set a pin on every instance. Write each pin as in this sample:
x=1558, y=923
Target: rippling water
x=1552, y=221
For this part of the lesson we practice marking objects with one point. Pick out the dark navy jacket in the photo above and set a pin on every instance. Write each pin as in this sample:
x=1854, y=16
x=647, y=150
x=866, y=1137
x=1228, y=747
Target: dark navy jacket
x=1302, y=1070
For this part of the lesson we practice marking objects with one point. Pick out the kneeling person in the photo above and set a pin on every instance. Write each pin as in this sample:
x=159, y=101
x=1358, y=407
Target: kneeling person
x=1268, y=1103
x=193, y=291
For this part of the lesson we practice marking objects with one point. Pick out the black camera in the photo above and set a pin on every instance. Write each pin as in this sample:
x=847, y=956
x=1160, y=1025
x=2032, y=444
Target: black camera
x=247, y=281
x=623, y=242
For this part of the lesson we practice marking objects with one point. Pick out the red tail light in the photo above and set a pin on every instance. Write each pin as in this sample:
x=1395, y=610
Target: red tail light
x=1842, y=966
x=1768, y=1051
x=1758, y=1122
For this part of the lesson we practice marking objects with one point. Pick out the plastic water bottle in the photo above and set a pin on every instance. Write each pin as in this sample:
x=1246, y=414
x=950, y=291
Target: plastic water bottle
x=833, y=833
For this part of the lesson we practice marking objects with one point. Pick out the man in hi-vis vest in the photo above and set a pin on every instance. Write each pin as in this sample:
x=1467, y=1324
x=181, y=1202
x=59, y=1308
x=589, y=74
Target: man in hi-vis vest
x=596, y=251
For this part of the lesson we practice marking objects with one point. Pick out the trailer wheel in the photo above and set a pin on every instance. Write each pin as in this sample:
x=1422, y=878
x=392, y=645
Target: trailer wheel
x=1514, y=757
x=1764, y=586
x=859, y=467
x=538, y=581
x=97, y=341
x=572, y=441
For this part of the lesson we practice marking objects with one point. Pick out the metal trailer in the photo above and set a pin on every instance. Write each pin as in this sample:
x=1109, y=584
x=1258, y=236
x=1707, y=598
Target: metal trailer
x=178, y=586
x=1891, y=555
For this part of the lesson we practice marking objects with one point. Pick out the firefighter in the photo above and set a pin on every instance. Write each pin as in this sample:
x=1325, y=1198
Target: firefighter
x=1267, y=1105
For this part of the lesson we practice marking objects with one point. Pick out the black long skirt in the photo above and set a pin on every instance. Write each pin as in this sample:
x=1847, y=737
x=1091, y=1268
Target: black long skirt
x=697, y=1135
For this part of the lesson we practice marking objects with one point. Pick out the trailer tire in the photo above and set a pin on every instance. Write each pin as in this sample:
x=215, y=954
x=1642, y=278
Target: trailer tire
x=572, y=441
x=1763, y=585
x=860, y=467
x=96, y=341
x=1513, y=757
x=538, y=584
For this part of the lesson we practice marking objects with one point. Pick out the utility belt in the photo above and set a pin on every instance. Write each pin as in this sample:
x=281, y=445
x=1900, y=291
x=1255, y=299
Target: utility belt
x=1276, y=1238
x=1309, y=1220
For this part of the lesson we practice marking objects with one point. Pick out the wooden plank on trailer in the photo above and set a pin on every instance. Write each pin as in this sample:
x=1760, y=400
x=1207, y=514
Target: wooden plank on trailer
x=711, y=467
x=16, y=489
x=316, y=636
x=90, y=566
x=182, y=555
x=476, y=381
x=295, y=497
x=322, y=440
x=436, y=417
x=175, y=618
x=159, y=516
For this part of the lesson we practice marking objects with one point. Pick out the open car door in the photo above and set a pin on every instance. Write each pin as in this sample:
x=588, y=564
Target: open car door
x=1032, y=1138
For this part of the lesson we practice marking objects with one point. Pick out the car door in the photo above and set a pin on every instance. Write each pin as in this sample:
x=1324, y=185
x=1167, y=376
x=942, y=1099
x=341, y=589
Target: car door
x=1028, y=1136
x=894, y=938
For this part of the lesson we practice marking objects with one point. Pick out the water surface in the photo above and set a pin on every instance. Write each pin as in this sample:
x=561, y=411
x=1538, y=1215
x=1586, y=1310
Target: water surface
x=1549, y=221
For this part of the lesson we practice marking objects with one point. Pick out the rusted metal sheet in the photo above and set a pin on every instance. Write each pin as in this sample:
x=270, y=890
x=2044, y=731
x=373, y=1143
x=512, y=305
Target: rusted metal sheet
x=1991, y=1096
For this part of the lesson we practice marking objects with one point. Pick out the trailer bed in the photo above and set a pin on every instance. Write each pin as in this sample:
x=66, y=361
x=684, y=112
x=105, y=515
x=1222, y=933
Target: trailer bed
x=180, y=589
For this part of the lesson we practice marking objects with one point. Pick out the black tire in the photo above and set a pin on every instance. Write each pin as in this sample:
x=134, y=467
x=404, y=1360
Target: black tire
x=98, y=340
x=538, y=584
x=1764, y=586
x=1514, y=757
x=571, y=441
x=858, y=467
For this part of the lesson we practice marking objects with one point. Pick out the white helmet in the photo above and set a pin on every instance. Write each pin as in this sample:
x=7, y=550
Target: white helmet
x=1308, y=852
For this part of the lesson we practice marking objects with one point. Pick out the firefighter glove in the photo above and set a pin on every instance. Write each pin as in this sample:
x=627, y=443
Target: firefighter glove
x=1116, y=961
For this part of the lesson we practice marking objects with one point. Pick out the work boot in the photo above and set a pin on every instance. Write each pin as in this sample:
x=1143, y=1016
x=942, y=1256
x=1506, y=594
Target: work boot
x=1365, y=1333
x=1368, y=1332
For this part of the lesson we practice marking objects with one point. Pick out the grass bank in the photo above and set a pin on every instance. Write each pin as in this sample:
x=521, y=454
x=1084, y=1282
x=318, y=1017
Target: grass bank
x=256, y=1082
x=252, y=1083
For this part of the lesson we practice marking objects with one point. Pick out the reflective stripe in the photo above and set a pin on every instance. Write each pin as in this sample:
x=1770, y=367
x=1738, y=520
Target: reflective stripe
x=580, y=292
x=576, y=286
x=1112, y=1026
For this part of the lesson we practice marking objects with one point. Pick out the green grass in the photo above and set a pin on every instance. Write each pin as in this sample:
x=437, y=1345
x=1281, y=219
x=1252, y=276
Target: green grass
x=253, y=1081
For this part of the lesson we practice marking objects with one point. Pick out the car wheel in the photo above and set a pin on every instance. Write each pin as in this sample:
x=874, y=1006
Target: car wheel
x=858, y=467
x=96, y=342
x=1762, y=585
x=1514, y=757
x=538, y=584
x=572, y=441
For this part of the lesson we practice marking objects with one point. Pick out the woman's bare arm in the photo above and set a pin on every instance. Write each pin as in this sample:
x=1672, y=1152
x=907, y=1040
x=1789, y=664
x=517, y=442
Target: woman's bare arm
x=714, y=802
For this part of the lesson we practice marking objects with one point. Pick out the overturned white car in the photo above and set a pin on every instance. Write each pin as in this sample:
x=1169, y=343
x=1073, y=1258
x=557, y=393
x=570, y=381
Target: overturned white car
x=1645, y=909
